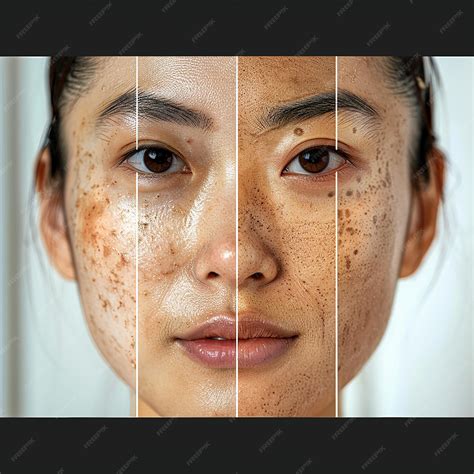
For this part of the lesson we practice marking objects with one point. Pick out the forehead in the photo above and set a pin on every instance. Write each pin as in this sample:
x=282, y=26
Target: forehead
x=284, y=78
x=268, y=81
x=205, y=83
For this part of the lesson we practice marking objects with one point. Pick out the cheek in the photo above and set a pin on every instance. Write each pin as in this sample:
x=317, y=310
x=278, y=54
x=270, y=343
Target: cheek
x=162, y=240
x=166, y=248
x=103, y=239
x=372, y=222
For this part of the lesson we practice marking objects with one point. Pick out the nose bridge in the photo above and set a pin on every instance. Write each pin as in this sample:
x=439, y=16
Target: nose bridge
x=215, y=263
x=257, y=264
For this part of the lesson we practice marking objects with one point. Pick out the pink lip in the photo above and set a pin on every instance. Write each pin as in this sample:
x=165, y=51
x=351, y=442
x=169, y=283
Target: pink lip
x=259, y=342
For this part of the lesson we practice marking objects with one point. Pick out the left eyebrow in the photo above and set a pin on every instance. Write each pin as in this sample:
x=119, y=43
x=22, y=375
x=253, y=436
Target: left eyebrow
x=317, y=106
x=155, y=108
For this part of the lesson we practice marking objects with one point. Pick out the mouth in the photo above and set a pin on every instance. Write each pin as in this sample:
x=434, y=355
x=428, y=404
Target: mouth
x=218, y=344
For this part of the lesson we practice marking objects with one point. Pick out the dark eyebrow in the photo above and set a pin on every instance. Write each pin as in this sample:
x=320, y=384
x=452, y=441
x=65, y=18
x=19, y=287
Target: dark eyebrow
x=317, y=106
x=153, y=107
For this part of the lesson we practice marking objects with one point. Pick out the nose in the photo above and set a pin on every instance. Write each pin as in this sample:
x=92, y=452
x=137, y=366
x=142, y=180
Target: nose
x=257, y=266
x=216, y=265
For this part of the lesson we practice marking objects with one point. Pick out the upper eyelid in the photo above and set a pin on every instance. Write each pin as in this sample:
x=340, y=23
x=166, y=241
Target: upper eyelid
x=331, y=147
x=143, y=147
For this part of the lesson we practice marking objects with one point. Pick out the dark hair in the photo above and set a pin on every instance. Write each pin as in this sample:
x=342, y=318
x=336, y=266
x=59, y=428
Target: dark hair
x=411, y=77
x=68, y=78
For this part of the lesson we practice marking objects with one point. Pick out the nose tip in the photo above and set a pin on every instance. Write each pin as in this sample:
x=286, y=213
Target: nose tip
x=217, y=264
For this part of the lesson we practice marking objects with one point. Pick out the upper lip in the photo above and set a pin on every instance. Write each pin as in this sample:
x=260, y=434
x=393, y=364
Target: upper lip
x=225, y=327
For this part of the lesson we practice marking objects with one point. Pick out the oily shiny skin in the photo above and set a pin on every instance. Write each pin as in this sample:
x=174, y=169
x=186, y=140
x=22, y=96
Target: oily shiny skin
x=187, y=233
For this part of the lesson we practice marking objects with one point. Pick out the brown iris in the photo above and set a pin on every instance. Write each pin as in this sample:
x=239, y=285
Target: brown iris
x=314, y=160
x=158, y=160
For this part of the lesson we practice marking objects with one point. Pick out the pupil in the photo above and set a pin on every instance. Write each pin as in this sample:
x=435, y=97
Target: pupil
x=315, y=160
x=158, y=160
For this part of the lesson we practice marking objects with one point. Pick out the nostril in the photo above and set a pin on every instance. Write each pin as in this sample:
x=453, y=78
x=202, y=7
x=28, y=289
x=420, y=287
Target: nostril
x=212, y=275
x=257, y=276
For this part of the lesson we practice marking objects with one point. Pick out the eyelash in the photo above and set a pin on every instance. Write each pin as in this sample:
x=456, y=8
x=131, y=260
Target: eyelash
x=176, y=163
x=321, y=150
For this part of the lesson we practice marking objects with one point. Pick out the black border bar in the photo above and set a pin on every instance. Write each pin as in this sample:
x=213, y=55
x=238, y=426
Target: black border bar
x=238, y=27
x=236, y=445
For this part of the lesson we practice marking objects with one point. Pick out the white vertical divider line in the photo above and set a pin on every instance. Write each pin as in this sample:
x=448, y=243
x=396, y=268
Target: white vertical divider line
x=136, y=241
x=237, y=236
x=336, y=269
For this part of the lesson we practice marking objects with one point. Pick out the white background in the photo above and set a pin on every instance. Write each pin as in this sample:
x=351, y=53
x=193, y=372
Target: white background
x=50, y=367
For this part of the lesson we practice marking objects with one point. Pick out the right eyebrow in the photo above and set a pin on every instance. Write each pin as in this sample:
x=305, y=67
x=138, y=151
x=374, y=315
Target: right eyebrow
x=155, y=108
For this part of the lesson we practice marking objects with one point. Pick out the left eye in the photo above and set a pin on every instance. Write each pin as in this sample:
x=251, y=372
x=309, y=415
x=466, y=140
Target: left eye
x=316, y=160
x=155, y=160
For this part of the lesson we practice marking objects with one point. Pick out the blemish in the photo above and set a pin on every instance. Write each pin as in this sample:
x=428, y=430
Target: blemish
x=298, y=131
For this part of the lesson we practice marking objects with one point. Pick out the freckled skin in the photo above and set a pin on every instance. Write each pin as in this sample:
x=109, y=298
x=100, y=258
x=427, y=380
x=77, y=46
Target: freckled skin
x=292, y=224
x=100, y=214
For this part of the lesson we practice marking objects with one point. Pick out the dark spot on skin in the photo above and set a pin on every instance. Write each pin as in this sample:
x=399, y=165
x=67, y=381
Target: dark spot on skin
x=358, y=179
x=356, y=252
x=331, y=194
x=348, y=262
x=354, y=130
x=349, y=193
x=374, y=219
x=348, y=213
x=298, y=131
x=106, y=251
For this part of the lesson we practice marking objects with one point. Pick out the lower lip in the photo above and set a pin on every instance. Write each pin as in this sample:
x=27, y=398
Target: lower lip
x=221, y=354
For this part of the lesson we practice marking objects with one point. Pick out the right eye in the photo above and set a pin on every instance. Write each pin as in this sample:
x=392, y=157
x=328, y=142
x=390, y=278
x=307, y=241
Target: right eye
x=155, y=160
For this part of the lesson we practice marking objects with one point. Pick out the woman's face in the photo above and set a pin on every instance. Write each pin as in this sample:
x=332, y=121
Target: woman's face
x=188, y=171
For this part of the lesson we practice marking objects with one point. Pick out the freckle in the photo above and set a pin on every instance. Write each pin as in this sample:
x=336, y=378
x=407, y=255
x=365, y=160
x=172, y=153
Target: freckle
x=106, y=251
x=298, y=131
x=356, y=252
x=189, y=140
x=354, y=130
x=348, y=262
x=331, y=194
x=349, y=193
x=348, y=213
